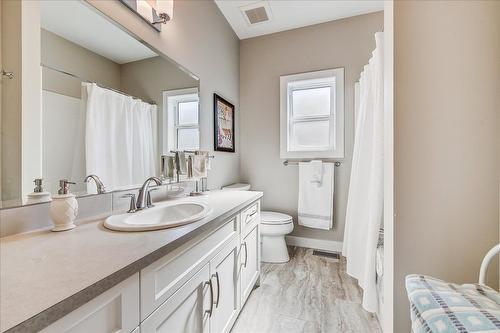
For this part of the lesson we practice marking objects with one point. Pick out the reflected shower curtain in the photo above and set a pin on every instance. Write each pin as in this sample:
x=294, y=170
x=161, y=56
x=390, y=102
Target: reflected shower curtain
x=119, y=137
x=365, y=200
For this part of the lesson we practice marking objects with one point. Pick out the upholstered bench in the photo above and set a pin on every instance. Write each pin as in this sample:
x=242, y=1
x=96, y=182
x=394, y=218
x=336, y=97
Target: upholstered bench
x=438, y=306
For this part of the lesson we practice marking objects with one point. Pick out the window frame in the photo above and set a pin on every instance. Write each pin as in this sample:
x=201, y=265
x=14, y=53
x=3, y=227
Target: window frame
x=311, y=80
x=178, y=126
x=170, y=114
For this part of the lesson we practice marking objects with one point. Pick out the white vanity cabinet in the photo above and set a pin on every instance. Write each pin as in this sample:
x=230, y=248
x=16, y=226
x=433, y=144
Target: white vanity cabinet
x=200, y=287
x=213, y=297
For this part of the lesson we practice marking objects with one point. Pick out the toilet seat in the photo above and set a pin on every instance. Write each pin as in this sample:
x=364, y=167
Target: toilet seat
x=273, y=218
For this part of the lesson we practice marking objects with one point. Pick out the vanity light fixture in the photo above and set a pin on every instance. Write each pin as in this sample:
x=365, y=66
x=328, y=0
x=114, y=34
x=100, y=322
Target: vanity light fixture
x=163, y=19
x=164, y=10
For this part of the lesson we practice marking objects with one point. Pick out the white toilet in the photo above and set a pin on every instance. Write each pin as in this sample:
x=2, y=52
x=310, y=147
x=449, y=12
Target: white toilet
x=274, y=227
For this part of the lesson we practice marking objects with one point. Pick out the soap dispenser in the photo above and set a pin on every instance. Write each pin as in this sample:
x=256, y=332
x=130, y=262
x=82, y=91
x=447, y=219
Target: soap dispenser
x=38, y=194
x=64, y=207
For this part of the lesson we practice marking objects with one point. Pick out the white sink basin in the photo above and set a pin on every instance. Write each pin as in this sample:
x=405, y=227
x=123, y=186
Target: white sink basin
x=161, y=217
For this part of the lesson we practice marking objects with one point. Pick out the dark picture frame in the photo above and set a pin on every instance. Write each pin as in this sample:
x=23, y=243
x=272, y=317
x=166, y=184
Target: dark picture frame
x=224, y=133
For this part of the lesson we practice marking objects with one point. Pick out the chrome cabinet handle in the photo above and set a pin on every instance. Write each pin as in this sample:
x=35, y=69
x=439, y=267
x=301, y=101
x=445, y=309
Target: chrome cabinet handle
x=216, y=275
x=249, y=216
x=246, y=254
x=211, y=298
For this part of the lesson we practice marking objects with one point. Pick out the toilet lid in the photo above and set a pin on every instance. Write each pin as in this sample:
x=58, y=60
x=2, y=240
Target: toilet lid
x=274, y=218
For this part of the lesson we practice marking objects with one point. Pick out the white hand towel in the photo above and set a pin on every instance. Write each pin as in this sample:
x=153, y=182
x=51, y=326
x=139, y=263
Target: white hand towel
x=208, y=166
x=199, y=166
x=315, y=204
x=316, y=171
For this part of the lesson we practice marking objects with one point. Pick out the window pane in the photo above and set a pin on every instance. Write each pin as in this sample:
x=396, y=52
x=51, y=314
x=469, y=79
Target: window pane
x=310, y=134
x=311, y=102
x=188, y=113
x=188, y=139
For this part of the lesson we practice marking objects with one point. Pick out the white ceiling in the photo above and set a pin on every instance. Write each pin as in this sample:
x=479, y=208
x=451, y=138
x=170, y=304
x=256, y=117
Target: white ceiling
x=76, y=21
x=291, y=14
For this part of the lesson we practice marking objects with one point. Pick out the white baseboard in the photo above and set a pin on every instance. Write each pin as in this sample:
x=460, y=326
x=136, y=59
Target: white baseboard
x=317, y=244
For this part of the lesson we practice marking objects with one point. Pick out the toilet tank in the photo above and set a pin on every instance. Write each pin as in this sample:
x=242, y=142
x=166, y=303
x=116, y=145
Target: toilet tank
x=237, y=187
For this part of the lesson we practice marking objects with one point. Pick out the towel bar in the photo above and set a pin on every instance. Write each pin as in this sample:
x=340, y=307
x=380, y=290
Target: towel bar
x=287, y=162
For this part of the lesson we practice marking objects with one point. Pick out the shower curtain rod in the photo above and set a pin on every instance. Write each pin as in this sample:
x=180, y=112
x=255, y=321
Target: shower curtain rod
x=87, y=81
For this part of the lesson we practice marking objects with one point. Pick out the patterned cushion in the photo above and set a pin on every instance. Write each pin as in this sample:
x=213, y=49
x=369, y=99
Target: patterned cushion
x=438, y=306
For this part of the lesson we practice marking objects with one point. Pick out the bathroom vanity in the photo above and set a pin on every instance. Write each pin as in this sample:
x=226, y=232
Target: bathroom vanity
x=191, y=278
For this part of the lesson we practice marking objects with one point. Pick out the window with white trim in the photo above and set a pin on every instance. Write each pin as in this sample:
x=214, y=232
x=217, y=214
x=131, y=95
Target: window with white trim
x=312, y=114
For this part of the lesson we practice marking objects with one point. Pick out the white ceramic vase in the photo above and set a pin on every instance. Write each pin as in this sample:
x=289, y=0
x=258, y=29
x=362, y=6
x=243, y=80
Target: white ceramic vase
x=63, y=211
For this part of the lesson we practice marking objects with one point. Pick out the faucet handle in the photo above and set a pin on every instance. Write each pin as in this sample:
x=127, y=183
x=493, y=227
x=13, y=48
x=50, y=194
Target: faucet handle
x=132, y=208
x=149, y=202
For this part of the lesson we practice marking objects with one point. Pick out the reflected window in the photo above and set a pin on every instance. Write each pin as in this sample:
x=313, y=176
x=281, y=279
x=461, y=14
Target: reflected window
x=183, y=119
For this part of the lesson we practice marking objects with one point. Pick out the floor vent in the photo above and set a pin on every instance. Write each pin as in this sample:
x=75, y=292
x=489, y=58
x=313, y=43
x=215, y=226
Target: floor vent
x=329, y=255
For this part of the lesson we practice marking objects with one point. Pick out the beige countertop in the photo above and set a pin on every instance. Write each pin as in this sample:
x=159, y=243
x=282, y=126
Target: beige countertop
x=44, y=275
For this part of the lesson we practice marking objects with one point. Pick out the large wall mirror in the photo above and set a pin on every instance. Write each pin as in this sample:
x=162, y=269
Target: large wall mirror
x=110, y=106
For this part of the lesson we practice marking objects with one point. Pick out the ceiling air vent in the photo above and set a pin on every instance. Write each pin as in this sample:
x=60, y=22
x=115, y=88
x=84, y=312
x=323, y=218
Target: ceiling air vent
x=256, y=13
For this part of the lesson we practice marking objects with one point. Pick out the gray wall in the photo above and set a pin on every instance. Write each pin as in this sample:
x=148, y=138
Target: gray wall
x=67, y=56
x=11, y=107
x=344, y=43
x=447, y=84
x=200, y=39
x=148, y=78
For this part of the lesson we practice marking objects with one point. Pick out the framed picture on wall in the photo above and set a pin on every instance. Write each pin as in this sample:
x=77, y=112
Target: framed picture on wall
x=223, y=125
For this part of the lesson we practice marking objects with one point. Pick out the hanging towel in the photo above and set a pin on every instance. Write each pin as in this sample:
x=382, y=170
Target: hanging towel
x=316, y=171
x=207, y=158
x=181, y=163
x=199, y=166
x=316, y=199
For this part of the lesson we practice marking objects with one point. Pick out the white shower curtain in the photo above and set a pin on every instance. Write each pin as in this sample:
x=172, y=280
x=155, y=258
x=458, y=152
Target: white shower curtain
x=119, y=137
x=365, y=201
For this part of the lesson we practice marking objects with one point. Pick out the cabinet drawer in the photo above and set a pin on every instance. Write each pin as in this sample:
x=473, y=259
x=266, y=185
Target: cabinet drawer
x=188, y=310
x=116, y=310
x=250, y=216
x=163, y=277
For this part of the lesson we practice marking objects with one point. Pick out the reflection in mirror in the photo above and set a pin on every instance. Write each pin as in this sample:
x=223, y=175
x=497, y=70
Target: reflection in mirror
x=111, y=106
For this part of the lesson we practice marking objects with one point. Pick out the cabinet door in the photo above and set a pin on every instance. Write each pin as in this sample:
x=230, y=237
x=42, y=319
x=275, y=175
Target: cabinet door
x=115, y=310
x=187, y=310
x=224, y=274
x=250, y=261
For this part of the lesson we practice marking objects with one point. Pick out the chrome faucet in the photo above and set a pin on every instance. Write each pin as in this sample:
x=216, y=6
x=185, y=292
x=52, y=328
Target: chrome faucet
x=98, y=183
x=142, y=198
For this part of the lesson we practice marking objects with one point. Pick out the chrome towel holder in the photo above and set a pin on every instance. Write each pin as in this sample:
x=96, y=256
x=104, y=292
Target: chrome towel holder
x=9, y=75
x=287, y=162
